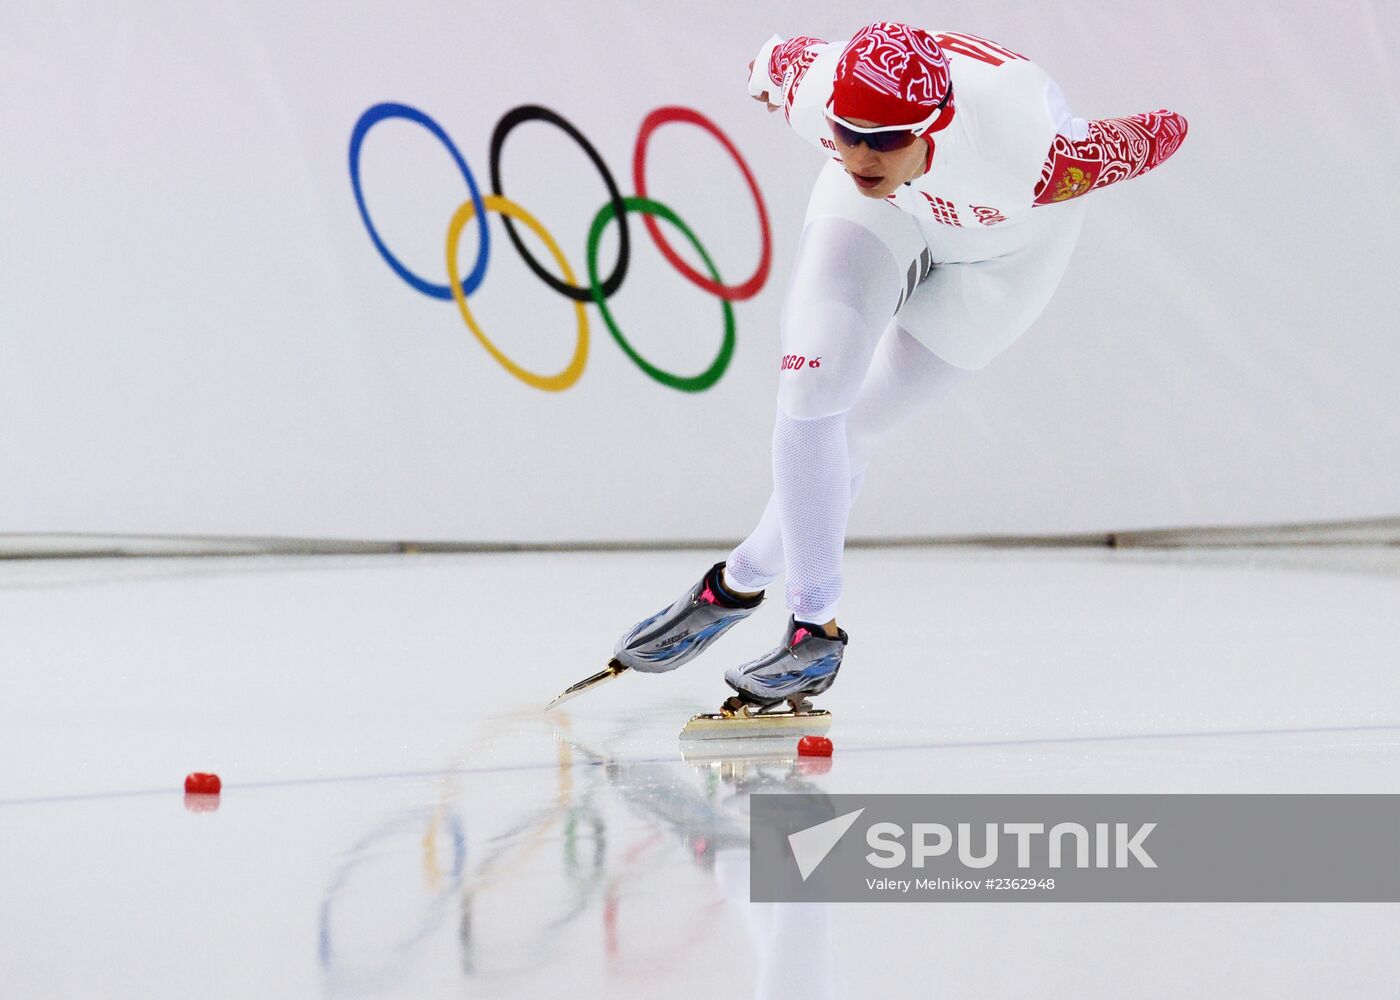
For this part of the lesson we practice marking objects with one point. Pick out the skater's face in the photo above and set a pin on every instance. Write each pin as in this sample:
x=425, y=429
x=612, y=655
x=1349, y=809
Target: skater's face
x=878, y=173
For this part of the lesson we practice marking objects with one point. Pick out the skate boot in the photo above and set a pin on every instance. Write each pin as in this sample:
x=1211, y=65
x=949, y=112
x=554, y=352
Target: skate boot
x=687, y=628
x=803, y=666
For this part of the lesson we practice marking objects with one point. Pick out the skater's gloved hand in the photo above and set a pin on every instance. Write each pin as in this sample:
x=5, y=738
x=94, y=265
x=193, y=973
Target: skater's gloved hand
x=762, y=96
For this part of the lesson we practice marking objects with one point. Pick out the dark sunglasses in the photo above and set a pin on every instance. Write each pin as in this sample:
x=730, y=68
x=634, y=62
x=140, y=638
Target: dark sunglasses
x=887, y=141
x=879, y=142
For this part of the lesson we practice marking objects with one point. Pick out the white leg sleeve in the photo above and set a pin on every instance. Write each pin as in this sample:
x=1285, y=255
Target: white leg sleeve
x=819, y=465
x=847, y=281
x=758, y=559
x=845, y=286
x=812, y=485
x=904, y=379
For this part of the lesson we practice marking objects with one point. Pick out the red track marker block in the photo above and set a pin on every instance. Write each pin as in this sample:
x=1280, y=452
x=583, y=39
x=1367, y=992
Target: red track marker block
x=200, y=783
x=814, y=746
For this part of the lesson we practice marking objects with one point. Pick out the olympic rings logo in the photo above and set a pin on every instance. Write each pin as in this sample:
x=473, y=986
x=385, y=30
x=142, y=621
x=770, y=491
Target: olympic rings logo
x=597, y=290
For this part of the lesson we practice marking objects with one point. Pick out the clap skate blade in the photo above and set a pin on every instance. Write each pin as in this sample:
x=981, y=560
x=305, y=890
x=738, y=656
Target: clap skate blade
x=613, y=670
x=740, y=719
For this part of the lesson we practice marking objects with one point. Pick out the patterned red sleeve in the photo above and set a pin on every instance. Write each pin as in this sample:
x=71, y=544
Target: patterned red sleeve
x=1116, y=149
x=794, y=57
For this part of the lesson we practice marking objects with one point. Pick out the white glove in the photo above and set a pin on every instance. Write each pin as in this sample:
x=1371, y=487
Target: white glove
x=761, y=86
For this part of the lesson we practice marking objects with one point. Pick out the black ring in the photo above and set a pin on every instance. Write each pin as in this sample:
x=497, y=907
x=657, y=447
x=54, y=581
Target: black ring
x=533, y=112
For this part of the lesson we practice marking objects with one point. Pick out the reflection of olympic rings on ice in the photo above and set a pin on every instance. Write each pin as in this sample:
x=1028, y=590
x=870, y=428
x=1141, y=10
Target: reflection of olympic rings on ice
x=350, y=962
x=598, y=290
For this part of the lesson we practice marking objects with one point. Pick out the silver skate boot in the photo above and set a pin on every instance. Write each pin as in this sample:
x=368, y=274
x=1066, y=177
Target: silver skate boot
x=803, y=666
x=687, y=628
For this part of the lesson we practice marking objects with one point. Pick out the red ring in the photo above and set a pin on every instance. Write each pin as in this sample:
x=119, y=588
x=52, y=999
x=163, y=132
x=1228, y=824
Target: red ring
x=732, y=293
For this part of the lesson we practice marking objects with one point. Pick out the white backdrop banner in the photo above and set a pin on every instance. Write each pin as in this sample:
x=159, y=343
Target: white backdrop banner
x=232, y=232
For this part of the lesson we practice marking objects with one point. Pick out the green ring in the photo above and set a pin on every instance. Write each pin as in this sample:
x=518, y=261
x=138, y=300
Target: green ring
x=696, y=383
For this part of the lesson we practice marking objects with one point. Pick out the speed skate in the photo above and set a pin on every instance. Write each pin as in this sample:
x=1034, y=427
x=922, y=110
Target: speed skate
x=802, y=665
x=737, y=718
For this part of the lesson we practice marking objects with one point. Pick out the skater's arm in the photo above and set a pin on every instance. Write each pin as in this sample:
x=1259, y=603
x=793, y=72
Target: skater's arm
x=1115, y=149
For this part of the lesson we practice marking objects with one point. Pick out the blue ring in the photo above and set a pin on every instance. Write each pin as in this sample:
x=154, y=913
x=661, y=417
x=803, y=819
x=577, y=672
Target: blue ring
x=389, y=110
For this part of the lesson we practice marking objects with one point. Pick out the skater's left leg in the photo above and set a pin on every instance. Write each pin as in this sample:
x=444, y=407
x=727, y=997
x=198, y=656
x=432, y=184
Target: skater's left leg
x=845, y=286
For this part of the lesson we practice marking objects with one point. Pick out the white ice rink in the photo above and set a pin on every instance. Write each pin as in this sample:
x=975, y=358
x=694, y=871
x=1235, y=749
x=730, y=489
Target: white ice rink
x=400, y=818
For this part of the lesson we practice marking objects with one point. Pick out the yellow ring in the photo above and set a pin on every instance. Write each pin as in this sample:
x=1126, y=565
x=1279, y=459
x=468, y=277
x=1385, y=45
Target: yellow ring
x=504, y=206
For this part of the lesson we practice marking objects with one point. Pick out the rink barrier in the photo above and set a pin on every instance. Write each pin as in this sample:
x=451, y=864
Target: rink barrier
x=1373, y=532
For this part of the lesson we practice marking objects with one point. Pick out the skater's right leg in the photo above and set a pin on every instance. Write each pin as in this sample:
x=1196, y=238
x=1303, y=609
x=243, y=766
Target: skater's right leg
x=905, y=379
x=846, y=286
x=758, y=560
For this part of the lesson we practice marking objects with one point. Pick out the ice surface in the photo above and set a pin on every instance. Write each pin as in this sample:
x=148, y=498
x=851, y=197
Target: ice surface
x=400, y=818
